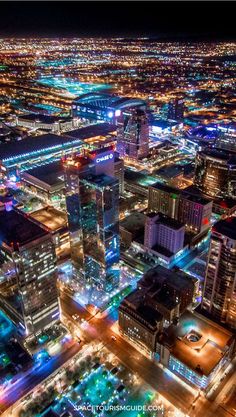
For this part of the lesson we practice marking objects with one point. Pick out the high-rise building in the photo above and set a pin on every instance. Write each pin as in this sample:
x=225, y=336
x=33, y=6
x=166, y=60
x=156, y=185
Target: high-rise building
x=176, y=109
x=192, y=210
x=163, y=231
x=133, y=135
x=163, y=199
x=219, y=292
x=215, y=173
x=119, y=172
x=92, y=199
x=195, y=212
x=31, y=252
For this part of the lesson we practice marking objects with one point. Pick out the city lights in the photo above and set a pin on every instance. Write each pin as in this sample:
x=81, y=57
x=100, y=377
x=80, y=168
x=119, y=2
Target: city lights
x=117, y=221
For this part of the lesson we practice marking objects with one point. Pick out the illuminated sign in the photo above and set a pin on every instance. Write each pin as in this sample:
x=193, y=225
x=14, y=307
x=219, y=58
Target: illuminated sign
x=117, y=113
x=104, y=158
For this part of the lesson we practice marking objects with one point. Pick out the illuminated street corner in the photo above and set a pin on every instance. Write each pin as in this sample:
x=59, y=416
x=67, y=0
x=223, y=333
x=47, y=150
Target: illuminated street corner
x=117, y=210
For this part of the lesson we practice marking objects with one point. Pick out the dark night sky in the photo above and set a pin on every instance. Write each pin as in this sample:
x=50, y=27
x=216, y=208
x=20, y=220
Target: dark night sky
x=175, y=20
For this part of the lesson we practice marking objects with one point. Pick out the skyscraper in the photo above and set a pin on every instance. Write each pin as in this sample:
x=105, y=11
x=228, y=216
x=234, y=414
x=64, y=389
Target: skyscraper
x=133, y=135
x=119, y=172
x=215, y=173
x=219, y=292
x=31, y=251
x=176, y=110
x=92, y=199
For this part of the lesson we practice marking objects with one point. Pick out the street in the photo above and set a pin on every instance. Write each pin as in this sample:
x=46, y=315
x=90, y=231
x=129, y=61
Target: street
x=96, y=329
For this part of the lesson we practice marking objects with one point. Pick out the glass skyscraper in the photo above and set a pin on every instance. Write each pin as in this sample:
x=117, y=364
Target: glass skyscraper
x=93, y=218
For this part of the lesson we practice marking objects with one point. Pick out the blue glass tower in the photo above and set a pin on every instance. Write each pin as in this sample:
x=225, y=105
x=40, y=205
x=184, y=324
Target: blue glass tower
x=93, y=216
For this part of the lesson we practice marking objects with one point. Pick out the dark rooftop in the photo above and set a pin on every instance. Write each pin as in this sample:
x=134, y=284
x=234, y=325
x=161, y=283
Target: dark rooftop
x=149, y=314
x=226, y=227
x=31, y=144
x=16, y=228
x=99, y=129
x=43, y=118
x=220, y=154
x=168, y=221
x=37, y=143
x=135, y=302
x=102, y=180
x=50, y=413
x=48, y=173
x=171, y=171
x=166, y=188
x=162, y=251
x=158, y=275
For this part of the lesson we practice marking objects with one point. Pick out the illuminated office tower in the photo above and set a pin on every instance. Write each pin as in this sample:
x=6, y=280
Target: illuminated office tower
x=133, y=135
x=215, y=173
x=176, y=110
x=119, y=171
x=30, y=249
x=219, y=292
x=92, y=199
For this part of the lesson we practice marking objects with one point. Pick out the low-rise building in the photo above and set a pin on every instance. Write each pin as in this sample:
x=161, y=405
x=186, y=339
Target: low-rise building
x=196, y=349
x=132, y=227
x=46, y=182
x=53, y=124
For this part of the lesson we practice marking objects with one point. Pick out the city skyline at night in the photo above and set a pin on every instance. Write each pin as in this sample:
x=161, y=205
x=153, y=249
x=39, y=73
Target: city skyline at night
x=117, y=209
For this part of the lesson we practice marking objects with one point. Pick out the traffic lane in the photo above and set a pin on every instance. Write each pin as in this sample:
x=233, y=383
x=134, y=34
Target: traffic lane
x=25, y=385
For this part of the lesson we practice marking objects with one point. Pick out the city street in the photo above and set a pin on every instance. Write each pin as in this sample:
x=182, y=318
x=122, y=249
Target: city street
x=27, y=383
x=163, y=381
x=173, y=389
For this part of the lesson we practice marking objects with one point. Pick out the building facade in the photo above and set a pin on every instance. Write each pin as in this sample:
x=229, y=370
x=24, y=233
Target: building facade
x=215, y=173
x=133, y=135
x=219, y=292
x=191, y=210
x=163, y=231
x=92, y=199
x=31, y=251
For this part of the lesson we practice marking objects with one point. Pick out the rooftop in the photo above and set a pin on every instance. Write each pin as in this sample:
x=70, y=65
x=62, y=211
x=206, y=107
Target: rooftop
x=49, y=173
x=31, y=144
x=197, y=342
x=43, y=118
x=47, y=141
x=168, y=221
x=226, y=227
x=102, y=180
x=171, y=171
x=158, y=275
x=219, y=154
x=188, y=193
x=133, y=222
x=16, y=228
x=98, y=100
x=139, y=178
x=99, y=129
x=51, y=218
x=136, y=302
x=166, y=188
